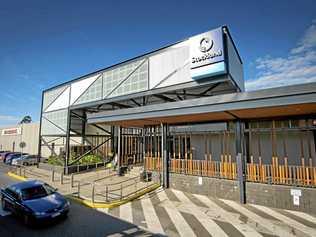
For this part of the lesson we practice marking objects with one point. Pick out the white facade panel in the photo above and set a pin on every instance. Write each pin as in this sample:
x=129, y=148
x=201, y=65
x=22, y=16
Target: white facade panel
x=61, y=102
x=182, y=75
x=164, y=65
x=79, y=87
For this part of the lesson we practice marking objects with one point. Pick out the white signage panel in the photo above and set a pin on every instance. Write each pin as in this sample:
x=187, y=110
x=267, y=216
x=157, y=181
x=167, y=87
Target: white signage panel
x=206, y=48
x=11, y=131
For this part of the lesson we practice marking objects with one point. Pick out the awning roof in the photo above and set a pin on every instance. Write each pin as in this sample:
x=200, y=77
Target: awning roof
x=267, y=103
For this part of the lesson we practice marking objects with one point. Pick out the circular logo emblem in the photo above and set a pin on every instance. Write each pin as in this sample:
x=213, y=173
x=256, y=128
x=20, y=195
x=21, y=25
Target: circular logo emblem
x=205, y=44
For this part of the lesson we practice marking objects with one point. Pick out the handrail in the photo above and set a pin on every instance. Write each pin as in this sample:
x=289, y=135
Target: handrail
x=88, y=152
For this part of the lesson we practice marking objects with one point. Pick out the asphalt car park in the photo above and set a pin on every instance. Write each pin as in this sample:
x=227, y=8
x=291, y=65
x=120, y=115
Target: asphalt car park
x=81, y=221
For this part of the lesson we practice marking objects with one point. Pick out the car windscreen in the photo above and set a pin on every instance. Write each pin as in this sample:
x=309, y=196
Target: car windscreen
x=38, y=191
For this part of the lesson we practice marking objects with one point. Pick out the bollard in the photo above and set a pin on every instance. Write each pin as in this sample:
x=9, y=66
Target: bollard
x=24, y=173
x=61, y=178
x=53, y=175
x=78, y=189
x=20, y=170
x=121, y=194
x=92, y=193
x=72, y=180
x=106, y=193
x=77, y=168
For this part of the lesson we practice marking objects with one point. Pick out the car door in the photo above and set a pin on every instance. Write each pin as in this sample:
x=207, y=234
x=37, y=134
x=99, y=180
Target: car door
x=18, y=205
x=10, y=198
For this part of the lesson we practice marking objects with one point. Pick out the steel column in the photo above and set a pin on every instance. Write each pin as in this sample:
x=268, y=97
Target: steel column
x=165, y=156
x=67, y=145
x=118, y=146
x=240, y=159
x=39, y=149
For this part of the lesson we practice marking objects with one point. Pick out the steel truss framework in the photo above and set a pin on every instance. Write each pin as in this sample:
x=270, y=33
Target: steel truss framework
x=77, y=114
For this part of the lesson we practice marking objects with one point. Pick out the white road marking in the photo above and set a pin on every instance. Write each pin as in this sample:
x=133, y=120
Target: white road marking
x=104, y=210
x=206, y=221
x=126, y=212
x=179, y=222
x=274, y=228
x=245, y=229
x=303, y=215
x=287, y=220
x=151, y=217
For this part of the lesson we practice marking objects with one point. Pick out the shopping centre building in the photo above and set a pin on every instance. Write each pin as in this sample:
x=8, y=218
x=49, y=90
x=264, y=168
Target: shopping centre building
x=20, y=138
x=182, y=112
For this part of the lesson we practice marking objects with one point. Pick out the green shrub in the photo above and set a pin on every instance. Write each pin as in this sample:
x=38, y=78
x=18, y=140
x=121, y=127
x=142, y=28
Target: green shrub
x=55, y=160
x=90, y=159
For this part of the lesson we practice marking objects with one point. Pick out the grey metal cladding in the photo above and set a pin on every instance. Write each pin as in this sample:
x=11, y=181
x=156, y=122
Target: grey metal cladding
x=235, y=66
x=297, y=94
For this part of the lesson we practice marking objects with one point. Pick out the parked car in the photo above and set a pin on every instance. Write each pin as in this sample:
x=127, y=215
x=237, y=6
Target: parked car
x=2, y=154
x=27, y=160
x=13, y=156
x=34, y=201
x=6, y=154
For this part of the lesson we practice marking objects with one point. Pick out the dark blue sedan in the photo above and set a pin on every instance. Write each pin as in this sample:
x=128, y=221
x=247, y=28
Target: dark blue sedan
x=34, y=201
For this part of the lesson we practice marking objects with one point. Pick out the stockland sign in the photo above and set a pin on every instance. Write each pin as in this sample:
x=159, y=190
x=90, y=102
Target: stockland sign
x=206, y=48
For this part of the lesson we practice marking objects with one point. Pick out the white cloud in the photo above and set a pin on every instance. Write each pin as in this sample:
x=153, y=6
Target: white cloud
x=8, y=118
x=308, y=41
x=299, y=66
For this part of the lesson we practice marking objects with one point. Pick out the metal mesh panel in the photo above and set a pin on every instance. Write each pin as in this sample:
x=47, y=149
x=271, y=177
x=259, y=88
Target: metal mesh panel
x=138, y=81
x=113, y=77
x=54, y=122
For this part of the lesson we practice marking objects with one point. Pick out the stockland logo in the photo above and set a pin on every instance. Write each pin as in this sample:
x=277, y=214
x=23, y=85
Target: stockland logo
x=206, y=44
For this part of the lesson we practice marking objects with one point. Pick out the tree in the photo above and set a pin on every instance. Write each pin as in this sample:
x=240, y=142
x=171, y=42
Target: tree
x=26, y=119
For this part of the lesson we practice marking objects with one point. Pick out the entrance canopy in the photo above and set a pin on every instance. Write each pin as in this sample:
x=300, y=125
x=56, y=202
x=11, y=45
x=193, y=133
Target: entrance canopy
x=268, y=103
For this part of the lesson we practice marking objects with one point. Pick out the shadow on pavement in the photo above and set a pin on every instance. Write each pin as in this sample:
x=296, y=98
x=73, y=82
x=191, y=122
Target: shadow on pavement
x=81, y=221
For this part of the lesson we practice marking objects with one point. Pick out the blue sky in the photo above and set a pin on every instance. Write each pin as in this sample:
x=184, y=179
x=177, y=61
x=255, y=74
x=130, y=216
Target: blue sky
x=44, y=43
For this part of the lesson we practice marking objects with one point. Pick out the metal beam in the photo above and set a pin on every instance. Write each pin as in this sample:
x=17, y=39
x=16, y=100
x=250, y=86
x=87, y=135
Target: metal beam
x=85, y=120
x=165, y=98
x=135, y=102
x=210, y=89
x=120, y=105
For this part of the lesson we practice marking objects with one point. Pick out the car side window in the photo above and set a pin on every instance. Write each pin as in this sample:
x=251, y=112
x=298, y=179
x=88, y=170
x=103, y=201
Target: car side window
x=12, y=193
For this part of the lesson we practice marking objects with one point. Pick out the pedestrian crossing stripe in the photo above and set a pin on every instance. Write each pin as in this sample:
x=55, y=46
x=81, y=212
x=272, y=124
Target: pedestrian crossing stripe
x=175, y=211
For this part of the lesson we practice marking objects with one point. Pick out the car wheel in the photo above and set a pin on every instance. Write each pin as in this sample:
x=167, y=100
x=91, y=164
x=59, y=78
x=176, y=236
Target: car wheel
x=4, y=205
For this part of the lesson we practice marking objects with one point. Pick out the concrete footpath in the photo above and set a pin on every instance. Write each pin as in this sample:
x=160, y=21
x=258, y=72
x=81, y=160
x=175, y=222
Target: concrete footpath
x=98, y=188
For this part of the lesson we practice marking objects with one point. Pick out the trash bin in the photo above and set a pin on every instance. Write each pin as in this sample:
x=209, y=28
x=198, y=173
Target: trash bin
x=146, y=176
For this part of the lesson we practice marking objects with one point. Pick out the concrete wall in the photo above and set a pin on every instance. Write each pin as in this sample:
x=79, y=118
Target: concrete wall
x=29, y=135
x=277, y=196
